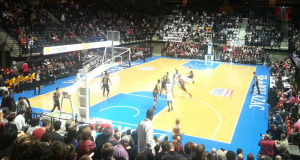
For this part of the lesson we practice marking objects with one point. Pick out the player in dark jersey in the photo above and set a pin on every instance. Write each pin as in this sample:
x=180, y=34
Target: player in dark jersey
x=105, y=86
x=191, y=76
x=155, y=92
x=164, y=81
x=181, y=83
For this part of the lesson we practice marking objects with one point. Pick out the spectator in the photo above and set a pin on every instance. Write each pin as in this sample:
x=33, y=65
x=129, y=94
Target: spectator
x=25, y=69
x=59, y=150
x=20, y=145
x=107, y=151
x=38, y=133
x=240, y=156
x=267, y=145
x=102, y=139
x=275, y=132
x=20, y=120
x=22, y=105
x=55, y=136
x=85, y=146
x=199, y=151
x=213, y=154
x=35, y=123
x=119, y=150
x=230, y=155
x=7, y=101
x=171, y=155
x=250, y=156
x=283, y=145
x=71, y=137
x=163, y=151
x=146, y=143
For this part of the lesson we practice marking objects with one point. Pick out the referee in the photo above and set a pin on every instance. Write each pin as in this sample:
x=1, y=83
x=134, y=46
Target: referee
x=56, y=96
x=255, y=84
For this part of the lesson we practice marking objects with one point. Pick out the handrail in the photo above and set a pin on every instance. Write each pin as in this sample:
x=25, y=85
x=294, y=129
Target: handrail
x=4, y=43
x=11, y=48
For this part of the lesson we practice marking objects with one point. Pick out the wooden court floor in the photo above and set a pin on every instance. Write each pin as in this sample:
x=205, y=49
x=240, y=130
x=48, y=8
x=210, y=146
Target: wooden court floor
x=204, y=115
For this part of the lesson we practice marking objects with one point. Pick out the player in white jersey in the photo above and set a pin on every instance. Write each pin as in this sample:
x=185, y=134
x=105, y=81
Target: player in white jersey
x=169, y=93
x=175, y=77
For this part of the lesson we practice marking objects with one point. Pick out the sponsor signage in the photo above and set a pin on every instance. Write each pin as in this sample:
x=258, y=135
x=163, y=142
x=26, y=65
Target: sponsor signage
x=77, y=47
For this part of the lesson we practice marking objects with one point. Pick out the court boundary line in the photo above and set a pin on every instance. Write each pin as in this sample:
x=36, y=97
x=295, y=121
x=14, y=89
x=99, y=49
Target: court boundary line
x=142, y=96
x=242, y=107
x=122, y=107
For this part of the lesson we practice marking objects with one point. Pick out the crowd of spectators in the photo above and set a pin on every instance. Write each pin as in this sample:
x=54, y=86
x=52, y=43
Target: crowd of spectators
x=263, y=29
x=21, y=76
x=31, y=25
x=244, y=55
x=190, y=50
x=179, y=24
x=283, y=100
x=294, y=32
x=41, y=140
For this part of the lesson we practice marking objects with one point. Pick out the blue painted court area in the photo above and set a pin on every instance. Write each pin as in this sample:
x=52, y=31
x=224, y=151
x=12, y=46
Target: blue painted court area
x=202, y=64
x=127, y=108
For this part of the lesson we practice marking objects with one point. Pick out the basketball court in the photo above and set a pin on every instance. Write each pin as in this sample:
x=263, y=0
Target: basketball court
x=222, y=111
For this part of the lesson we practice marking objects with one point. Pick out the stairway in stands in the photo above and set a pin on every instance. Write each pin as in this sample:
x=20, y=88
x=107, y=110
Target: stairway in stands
x=284, y=28
x=9, y=43
x=243, y=30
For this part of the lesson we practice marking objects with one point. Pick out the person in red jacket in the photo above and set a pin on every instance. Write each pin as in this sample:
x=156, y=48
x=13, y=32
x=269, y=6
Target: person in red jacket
x=267, y=145
x=23, y=45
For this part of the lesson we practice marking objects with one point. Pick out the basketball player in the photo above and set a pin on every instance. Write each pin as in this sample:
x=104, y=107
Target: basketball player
x=164, y=81
x=169, y=93
x=181, y=83
x=190, y=77
x=155, y=92
x=255, y=83
x=175, y=77
x=105, y=85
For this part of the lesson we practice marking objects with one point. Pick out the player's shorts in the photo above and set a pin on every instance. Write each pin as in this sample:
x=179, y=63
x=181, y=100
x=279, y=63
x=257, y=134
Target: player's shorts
x=169, y=97
x=176, y=82
x=163, y=85
x=105, y=86
x=155, y=96
x=183, y=88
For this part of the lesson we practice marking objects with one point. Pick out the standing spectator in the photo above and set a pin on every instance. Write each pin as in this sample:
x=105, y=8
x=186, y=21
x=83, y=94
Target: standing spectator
x=55, y=136
x=267, y=145
x=7, y=101
x=38, y=133
x=1, y=123
x=172, y=154
x=103, y=138
x=56, y=96
x=22, y=105
x=85, y=146
x=23, y=45
x=146, y=143
x=20, y=120
x=230, y=155
x=25, y=69
x=119, y=150
x=37, y=82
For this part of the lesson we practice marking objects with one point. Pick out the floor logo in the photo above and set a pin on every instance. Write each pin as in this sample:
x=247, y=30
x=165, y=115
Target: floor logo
x=221, y=92
x=147, y=68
